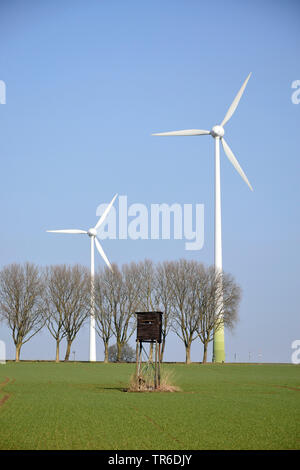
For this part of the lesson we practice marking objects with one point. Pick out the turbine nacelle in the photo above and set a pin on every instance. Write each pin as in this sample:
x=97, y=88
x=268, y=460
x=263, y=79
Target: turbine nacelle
x=217, y=131
x=92, y=232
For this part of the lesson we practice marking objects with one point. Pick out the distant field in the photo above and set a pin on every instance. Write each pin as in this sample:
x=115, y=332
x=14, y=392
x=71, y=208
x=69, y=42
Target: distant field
x=83, y=406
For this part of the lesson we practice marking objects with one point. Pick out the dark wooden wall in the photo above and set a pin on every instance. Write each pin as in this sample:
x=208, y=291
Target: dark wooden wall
x=149, y=326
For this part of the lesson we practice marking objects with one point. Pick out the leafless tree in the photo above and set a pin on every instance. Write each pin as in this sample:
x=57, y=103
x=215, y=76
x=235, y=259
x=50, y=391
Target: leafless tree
x=148, y=298
x=67, y=302
x=147, y=294
x=53, y=304
x=121, y=300
x=103, y=311
x=21, y=291
x=183, y=282
x=216, y=289
x=165, y=300
x=112, y=289
x=131, y=300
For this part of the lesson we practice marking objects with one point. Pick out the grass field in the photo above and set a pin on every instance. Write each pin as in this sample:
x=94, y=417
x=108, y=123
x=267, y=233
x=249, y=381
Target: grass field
x=84, y=406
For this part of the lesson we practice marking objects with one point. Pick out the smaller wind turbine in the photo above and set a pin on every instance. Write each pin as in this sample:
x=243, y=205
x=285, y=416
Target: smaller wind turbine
x=92, y=233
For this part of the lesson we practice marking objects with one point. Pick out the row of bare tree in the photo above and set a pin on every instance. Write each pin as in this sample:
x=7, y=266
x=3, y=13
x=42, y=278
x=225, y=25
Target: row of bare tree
x=58, y=297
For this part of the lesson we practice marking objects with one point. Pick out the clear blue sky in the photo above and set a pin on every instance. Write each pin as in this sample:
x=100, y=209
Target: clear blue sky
x=87, y=84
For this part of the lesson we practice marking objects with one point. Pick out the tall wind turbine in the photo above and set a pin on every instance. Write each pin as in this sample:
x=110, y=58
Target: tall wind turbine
x=217, y=132
x=92, y=233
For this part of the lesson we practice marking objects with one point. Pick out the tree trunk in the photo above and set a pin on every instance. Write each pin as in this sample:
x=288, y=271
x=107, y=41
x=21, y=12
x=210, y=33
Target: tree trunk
x=105, y=353
x=69, y=343
x=205, y=344
x=18, y=350
x=119, y=351
x=57, y=350
x=188, y=354
x=162, y=350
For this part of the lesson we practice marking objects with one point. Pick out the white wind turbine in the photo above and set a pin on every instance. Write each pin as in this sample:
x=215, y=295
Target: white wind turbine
x=217, y=132
x=92, y=233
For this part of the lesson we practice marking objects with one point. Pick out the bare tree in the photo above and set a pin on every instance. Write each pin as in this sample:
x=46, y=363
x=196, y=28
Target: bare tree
x=147, y=294
x=113, y=292
x=130, y=298
x=122, y=298
x=62, y=304
x=165, y=299
x=21, y=291
x=148, y=298
x=216, y=289
x=103, y=311
x=183, y=281
x=68, y=302
x=53, y=304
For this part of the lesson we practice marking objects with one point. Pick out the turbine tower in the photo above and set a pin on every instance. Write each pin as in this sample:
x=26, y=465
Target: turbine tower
x=92, y=233
x=217, y=132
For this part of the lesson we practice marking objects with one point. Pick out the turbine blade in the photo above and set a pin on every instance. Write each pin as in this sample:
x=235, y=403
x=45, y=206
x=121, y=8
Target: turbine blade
x=186, y=132
x=100, y=249
x=67, y=231
x=103, y=216
x=234, y=162
x=235, y=102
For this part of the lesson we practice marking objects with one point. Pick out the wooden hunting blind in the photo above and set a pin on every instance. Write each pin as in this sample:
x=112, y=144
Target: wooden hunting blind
x=149, y=326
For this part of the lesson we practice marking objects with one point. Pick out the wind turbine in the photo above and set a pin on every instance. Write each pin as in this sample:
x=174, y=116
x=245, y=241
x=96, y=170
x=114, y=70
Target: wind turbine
x=217, y=132
x=92, y=233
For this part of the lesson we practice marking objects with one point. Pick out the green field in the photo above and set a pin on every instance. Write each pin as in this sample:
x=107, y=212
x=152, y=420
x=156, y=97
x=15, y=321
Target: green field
x=84, y=406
